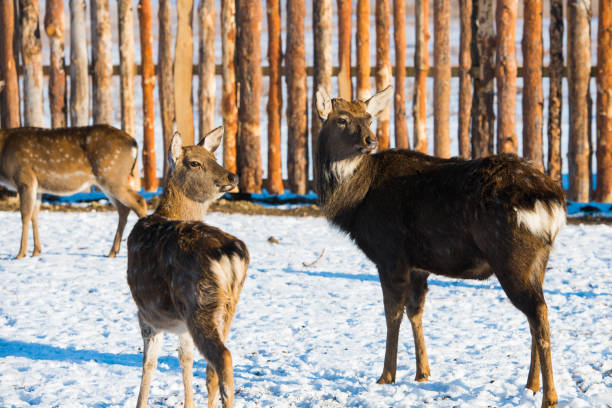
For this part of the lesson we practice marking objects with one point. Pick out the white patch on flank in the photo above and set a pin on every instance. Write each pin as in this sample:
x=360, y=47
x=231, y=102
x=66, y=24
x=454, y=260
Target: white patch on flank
x=541, y=220
x=222, y=270
x=344, y=169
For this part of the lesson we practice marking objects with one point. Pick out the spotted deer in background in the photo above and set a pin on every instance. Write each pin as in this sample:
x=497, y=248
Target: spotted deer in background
x=186, y=276
x=414, y=214
x=66, y=161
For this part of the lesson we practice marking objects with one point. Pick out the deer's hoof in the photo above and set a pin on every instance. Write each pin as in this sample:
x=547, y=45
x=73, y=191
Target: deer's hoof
x=112, y=254
x=20, y=255
x=386, y=378
x=36, y=252
x=550, y=401
x=421, y=377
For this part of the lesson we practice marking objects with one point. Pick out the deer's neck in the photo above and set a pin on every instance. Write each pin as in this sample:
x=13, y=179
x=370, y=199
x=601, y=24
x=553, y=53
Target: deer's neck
x=175, y=205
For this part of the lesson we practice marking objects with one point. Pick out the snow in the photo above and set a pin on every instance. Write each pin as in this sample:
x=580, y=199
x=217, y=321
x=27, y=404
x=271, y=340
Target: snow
x=303, y=336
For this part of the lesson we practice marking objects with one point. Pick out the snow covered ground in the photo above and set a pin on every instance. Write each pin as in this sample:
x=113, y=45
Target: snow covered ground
x=304, y=336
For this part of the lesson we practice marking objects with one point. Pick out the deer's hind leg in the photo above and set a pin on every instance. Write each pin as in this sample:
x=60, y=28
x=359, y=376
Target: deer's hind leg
x=415, y=303
x=123, y=212
x=152, y=340
x=35, y=233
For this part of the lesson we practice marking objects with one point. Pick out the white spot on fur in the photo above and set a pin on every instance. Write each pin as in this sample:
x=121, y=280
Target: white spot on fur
x=344, y=169
x=542, y=220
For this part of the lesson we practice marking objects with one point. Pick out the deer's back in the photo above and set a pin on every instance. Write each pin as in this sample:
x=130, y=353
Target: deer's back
x=178, y=266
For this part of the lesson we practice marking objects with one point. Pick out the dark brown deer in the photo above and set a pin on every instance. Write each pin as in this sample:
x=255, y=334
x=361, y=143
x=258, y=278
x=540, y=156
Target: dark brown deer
x=65, y=161
x=186, y=276
x=414, y=214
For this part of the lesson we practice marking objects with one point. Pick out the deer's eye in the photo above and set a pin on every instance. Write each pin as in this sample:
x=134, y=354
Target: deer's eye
x=341, y=121
x=194, y=164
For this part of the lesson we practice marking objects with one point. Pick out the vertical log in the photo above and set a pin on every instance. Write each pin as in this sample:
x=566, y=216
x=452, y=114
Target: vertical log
x=363, y=49
x=206, y=73
x=383, y=68
x=228, y=98
x=54, y=27
x=275, y=98
x=421, y=64
x=102, y=62
x=442, y=78
x=79, y=70
x=345, y=84
x=555, y=98
x=31, y=51
x=165, y=76
x=506, y=76
x=399, y=103
x=126, y=66
x=9, y=95
x=483, y=116
x=465, y=77
x=297, y=118
x=533, y=99
x=148, y=84
x=183, y=70
x=579, y=58
x=322, y=32
x=249, y=83
x=604, y=104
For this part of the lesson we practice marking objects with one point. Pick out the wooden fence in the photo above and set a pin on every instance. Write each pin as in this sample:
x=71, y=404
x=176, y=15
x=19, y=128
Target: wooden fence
x=487, y=67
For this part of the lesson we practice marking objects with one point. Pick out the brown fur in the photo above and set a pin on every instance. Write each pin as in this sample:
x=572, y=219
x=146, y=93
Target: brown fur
x=414, y=214
x=186, y=276
x=65, y=161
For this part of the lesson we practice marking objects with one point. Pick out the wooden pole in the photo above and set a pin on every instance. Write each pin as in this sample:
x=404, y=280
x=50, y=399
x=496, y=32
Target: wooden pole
x=31, y=51
x=9, y=95
x=421, y=65
x=555, y=99
x=206, y=75
x=322, y=33
x=54, y=27
x=165, y=76
x=442, y=78
x=604, y=104
x=126, y=66
x=249, y=85
x=275, y=99
x=579, y=58
x=297, y=99
x=148, y=84
x=505, y=18
x=383, y=68
x=183, y=66
x=102, y=63
x=345, y=85
x=79, y=70
x=363, y=49
x=465, y=77
x=229, y=105
x=399, y=103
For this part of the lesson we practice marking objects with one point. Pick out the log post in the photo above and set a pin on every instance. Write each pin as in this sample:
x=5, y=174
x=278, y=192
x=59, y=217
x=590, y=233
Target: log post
x=578, y=75
x=465, y=77
x=207, y=84
x=55, y=29
x=399, y=102
x=275, y=98
x=102, y=62
x=363, y=49
x=165, y=75
x=31, y=51
x=229, y=105
x=604, y=104
x=183, y=71
x=442, y=78
x=555, y=99
x=249, y=89
x=322, y=33
x=383, y=68
x=148, y=84
x=79, y=69
x=126, y=66
x=345, y=84
x=297, y=99
x=9, y=94
x=421, y=65
x=505, y=18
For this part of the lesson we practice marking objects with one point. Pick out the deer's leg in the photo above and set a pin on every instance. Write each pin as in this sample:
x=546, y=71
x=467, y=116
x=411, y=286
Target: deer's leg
x=185, y=353
x=415, y=304
x=533, y=378
x=35, y=234
x=27, y=201
x=123, y=212
x=131, y=199
x=152, y=346
x=212, y=385
x=394, y=304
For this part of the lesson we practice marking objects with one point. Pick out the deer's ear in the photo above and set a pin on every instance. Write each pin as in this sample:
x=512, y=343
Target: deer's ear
x=324, y=104
x=212, y=140
x=176, y=150
x=379, y=102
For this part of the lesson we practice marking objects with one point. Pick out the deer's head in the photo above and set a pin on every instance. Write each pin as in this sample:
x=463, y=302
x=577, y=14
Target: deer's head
x=195, y=171
x=346, y=129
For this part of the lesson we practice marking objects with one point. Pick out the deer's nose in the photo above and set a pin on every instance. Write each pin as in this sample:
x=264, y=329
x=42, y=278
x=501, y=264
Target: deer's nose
x=232, y=178
x=370, y=140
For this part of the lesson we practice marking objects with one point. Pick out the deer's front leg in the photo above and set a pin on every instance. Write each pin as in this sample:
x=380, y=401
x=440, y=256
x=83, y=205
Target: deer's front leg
x=186, y=359
x=27, y=200
x=394, y=306
x=35, y=233
x=152, y=346
x=414, y=309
